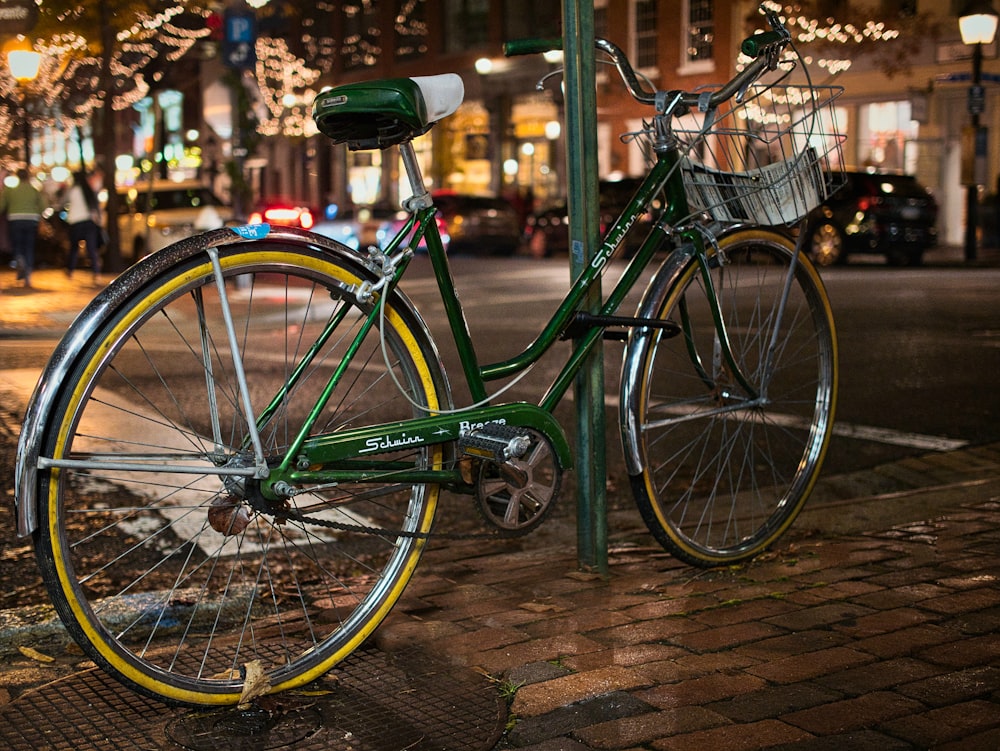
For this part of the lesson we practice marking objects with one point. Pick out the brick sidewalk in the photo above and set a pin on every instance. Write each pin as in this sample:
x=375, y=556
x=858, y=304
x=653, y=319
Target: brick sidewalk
x=877, y=641
x=49, y=306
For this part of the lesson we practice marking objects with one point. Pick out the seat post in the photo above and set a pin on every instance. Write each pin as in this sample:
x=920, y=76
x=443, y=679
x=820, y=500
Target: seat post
x=421, y=198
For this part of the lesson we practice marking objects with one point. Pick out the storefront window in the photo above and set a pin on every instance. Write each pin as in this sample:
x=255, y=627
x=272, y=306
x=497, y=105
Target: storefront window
x=364, y=176
x=159, y=141
x=884, y=128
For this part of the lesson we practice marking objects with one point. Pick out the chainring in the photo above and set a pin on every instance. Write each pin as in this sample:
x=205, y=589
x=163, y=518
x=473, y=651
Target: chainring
x=516, y=495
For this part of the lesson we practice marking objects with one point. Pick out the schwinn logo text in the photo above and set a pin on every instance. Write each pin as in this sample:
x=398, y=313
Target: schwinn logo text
x=465, y=427
x=389, y=443
x=402, y=440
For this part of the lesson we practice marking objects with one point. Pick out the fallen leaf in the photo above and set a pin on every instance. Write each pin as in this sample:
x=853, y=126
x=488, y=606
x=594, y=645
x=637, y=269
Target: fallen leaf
x=34, y=654
x=255, y=682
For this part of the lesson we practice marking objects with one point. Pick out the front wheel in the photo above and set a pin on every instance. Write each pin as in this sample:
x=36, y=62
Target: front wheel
x=184, y=581
x=724, y=457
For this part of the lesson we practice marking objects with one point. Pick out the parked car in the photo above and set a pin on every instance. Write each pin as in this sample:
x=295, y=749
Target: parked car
x=391, y=227
x=547, y=231
x=473, y=224
x=354, y=226
x=154, y=215
x=874, y=213
x=481, y=225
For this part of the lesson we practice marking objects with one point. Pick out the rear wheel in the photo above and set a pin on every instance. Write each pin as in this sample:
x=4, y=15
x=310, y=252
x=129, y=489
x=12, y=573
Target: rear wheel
x=180, y=579
x=729, y=455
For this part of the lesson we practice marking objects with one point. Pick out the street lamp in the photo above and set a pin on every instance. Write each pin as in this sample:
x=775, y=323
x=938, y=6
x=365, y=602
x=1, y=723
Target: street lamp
x=23, y=62
x=978, y=26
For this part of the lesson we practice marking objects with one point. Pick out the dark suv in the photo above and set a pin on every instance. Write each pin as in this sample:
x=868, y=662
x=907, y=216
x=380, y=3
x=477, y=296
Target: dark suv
x=890, y=215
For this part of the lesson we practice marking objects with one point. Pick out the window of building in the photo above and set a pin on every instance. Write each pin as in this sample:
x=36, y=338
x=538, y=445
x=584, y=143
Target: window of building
x=360, y=47
x=698, y=43
x=884, y=130
x=601, y=18
x=411, y=29
x=644, y=34
x=537, y=20
x=466, y=24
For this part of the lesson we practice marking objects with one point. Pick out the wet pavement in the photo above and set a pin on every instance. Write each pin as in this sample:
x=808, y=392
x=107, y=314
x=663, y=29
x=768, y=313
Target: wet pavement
x=873, y=625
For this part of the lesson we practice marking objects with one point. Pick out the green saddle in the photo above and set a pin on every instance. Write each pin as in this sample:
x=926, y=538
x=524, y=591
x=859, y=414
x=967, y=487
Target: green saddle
x=386, y=112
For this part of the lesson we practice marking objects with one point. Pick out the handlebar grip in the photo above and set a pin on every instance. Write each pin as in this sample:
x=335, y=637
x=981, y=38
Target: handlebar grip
x=754, y=45
x=531, y=46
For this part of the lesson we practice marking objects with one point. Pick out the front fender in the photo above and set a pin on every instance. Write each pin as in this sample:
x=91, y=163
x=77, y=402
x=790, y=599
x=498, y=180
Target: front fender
x=633, y=359
x=40, y=407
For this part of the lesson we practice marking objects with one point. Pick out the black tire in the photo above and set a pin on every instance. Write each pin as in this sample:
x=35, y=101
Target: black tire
x=177, y=582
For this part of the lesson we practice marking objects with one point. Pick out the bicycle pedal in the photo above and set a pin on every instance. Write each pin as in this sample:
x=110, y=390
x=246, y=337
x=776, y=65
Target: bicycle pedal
x=495, y=441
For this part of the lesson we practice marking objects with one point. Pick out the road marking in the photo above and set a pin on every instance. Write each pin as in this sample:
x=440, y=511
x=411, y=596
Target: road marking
x=898, y=437
x=846, y=430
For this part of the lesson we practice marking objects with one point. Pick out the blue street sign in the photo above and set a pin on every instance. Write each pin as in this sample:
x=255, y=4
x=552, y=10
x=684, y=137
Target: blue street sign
x=239, y=29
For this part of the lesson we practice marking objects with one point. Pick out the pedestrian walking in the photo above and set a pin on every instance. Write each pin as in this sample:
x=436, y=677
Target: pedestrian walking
x=83, y=214
x=23, y=205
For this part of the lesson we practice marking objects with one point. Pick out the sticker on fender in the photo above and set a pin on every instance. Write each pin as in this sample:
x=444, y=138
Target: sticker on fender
x=252, y=231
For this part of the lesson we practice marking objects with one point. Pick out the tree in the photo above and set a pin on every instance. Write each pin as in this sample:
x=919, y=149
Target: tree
x=109, y=48
x=891, y=38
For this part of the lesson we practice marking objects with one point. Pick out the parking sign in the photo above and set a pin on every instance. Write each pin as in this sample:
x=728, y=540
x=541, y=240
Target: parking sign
x=239, y=37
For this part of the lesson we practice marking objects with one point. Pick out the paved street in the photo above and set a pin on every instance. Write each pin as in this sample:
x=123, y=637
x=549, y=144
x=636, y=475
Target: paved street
x=872, y=626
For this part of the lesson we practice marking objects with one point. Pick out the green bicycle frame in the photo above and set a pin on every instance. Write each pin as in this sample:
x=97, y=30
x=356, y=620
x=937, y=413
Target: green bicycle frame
x=342, y=455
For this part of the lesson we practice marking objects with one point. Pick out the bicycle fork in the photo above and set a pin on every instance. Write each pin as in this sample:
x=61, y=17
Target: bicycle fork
x=723, y=358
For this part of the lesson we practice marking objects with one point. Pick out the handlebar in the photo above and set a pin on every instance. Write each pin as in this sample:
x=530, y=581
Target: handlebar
x=764, y=47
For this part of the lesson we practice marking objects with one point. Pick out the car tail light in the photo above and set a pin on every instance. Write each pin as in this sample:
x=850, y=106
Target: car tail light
x=281, y=215
x=256, y=218
x=306, y=219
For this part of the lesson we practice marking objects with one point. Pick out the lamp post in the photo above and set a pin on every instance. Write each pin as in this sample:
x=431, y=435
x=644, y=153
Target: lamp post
x=23, y=62
x=978, y=26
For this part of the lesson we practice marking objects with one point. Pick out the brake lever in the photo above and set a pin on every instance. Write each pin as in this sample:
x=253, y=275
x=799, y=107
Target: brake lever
x=540, y=86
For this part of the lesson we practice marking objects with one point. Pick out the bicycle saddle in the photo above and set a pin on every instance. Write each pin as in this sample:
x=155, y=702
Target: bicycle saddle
x=386, y=112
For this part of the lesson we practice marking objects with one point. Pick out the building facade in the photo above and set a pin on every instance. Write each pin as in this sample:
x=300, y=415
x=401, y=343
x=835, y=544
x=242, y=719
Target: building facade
x=906, y=107
x=905, y=72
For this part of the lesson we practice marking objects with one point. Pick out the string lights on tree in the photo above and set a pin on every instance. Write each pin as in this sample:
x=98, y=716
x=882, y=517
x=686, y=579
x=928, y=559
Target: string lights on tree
x=890, y=43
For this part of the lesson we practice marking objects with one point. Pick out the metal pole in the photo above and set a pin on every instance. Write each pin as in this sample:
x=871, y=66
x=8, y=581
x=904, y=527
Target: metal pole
x=972, y=194
x=581, y=162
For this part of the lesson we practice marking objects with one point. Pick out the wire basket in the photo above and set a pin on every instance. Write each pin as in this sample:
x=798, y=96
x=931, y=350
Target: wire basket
x=769, y=159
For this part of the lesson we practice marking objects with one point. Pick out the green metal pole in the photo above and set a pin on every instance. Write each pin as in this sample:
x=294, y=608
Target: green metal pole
x=584, y=229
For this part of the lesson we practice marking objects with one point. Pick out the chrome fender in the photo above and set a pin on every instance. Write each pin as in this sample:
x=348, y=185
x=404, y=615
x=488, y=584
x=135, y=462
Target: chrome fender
x=38, y=415
x=638, y=341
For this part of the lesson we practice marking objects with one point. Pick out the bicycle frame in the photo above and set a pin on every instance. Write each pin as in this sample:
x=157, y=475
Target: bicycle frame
x=341, y=456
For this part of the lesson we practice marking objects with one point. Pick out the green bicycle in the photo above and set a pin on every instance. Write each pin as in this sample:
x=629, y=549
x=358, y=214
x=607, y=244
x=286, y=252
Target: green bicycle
x=231, y=464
